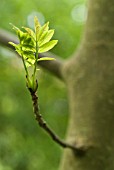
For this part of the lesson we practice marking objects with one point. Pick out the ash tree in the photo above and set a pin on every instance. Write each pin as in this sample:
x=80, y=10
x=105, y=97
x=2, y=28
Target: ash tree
x=89, y=79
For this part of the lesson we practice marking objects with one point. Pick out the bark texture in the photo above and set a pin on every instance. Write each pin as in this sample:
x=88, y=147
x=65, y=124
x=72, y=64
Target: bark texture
x=89, y=76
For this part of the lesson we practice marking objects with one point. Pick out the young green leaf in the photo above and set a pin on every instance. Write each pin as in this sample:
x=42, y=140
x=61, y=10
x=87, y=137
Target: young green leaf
x=46, y=38
x=37, y=27
x=21, y=36
x=14, y=27
x=29, y=62
x=30, y=32
x=28, y=40
x=47, y=46
x=13, y=44
x=45, y=58
x=43, y=30
x=30, y=44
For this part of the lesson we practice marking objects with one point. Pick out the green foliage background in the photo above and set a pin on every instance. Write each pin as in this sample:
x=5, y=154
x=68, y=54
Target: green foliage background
x=23, y=145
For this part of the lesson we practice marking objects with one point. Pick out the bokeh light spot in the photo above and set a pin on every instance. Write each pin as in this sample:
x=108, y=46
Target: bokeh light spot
x=79, y=13
x=30, y=18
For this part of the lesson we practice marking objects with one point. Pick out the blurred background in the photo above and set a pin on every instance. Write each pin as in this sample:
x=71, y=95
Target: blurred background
x=23, y=145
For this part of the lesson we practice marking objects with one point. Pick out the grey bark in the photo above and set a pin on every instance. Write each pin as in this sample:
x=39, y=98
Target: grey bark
x=89, y=76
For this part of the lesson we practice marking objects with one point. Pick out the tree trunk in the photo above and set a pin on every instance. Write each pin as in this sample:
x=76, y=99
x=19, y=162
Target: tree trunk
x=89, y=76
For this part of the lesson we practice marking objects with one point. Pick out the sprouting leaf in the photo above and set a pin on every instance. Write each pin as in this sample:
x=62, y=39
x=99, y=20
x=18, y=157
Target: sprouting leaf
x=28, y=54
x=27, y=39
x=31, y=43
x=13, y=44
x=29, y=62
x=46, y=38
x=47, y=46
x=30, y=48
x=21, y=36
x=37, y=27
x=37, y=69
x=17, y=47
x=23, y=50
x=30, y=32
x=43, y=30
x=45, y=58
x=14, y=27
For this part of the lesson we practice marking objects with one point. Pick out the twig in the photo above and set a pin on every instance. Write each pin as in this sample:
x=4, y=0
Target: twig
x=42, y=123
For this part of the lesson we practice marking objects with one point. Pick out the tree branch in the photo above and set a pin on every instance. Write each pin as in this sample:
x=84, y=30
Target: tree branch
x=54, y=66
x=78, y=150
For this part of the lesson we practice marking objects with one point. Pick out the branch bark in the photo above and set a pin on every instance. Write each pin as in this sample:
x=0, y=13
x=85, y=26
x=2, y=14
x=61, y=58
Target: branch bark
x=54, y=67
x=90, y=83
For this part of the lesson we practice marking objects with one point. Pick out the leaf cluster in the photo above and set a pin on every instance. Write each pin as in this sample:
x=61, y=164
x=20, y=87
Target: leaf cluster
x=31, y=43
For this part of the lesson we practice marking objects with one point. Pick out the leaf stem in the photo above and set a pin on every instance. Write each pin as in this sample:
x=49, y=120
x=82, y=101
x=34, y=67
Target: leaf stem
x=27, y=74
x=36, y=54
x=36, y=59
